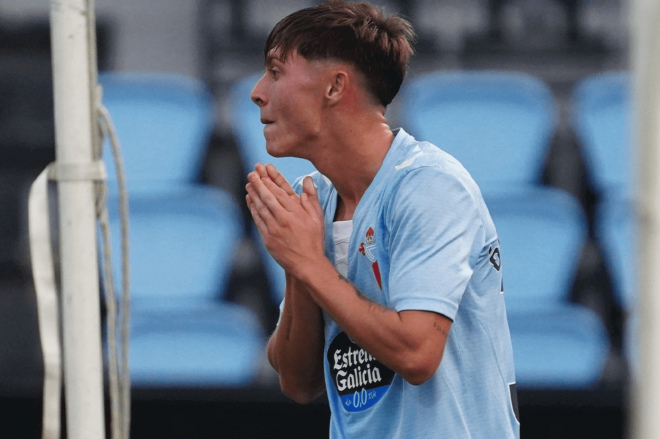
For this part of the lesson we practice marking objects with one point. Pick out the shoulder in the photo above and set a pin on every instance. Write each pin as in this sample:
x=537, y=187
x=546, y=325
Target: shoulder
x=420, y=169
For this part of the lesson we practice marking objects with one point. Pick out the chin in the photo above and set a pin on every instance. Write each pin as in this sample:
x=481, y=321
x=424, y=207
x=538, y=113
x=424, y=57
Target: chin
x=282, y=147
x=275, y=150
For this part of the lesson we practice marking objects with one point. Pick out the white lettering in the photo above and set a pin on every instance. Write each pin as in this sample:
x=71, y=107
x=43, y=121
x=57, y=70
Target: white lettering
x=341, y=384
x=375, y=374
x=351, y=382
x=337, y=365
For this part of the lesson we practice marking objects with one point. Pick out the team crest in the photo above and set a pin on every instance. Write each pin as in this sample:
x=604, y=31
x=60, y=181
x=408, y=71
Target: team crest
x=369, y=250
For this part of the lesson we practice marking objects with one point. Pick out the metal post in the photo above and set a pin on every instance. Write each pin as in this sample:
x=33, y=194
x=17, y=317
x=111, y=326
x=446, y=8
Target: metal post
x=72, y=79
x=645, y=31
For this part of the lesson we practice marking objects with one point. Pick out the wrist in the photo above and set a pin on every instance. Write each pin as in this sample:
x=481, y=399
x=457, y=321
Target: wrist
x=313, y=272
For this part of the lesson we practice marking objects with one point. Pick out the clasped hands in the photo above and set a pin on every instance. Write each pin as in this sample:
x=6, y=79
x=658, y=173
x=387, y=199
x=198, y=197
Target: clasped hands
x=292, y=226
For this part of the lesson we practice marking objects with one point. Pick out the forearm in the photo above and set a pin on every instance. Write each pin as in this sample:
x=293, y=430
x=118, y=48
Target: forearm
x=295, y=349
x=411, y=342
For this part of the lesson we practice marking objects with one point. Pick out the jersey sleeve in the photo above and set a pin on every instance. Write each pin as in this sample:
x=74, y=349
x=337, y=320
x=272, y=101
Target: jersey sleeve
x=436, y=235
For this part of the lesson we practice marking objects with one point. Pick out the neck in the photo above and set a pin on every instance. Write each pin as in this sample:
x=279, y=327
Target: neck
x=351, y=159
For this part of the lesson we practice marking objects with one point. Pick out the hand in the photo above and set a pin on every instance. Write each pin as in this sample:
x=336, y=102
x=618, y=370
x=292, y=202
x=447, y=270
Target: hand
x=292, y=227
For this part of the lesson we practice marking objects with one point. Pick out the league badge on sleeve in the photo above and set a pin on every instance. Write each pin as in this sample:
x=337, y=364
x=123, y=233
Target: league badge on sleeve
x=369, y=250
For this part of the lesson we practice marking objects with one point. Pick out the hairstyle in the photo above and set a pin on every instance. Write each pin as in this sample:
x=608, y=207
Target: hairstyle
x=379, y=46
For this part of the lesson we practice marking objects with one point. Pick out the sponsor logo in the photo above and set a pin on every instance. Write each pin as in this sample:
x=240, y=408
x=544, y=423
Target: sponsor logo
x=369, y=250
x=359, y=378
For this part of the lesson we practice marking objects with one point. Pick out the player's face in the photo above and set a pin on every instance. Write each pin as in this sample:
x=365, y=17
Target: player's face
x=290, y=97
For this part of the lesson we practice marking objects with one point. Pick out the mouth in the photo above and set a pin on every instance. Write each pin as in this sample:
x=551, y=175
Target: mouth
x=267, y=122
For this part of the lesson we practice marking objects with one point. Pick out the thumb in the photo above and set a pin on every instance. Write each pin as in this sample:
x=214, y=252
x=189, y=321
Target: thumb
x=312, y=196
x=309, y=188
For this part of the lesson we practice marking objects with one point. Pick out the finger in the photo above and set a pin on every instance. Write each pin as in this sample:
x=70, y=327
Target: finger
x=258, y=221
x=276, y=203
x=284, y=199
x=261, y=207
x=248, y=200
x=261, y=170
x=279, y=179
x=310, y=190
x=252, y=175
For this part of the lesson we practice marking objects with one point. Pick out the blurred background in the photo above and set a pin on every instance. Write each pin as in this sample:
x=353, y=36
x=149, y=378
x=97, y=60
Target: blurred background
x=556, y=44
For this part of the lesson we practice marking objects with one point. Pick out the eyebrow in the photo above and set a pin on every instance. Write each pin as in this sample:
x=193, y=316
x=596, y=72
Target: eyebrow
x=270, y=59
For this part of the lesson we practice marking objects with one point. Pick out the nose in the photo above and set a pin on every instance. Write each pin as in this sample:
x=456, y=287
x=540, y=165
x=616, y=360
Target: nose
x=257, y=95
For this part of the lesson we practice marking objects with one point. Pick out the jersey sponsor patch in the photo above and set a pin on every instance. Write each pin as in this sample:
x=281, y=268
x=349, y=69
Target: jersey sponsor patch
x=359, y=378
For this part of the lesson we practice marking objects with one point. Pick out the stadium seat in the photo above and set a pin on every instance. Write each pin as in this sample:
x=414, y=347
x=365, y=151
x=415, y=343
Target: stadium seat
x=616, y=231
x=601, y=119
x=602, y=122
x=182, y=245
x=182, y=250
x=219, y=345
x=183, y=238
x=248, y=130
x=164, y=123
x=499, y=125
x=557, y=344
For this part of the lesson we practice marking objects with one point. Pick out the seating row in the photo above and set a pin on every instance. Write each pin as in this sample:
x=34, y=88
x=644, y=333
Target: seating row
x=184, y=235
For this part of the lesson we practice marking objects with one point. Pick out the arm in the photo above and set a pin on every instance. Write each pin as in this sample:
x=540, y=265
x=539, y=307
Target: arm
x=295, y=349
x=409, y=342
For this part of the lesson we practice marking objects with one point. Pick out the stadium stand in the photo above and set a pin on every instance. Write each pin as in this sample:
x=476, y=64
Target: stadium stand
x=183, y=236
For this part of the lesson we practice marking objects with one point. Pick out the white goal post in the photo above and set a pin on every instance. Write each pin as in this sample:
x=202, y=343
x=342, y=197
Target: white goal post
x=74, y=79
x=645, y=36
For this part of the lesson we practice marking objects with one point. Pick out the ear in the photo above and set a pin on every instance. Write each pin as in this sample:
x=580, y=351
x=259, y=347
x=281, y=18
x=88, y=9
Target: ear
x=337, y=86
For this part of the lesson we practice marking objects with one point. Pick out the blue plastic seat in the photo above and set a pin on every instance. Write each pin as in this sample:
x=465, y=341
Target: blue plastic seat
x=602, y=118
x=164, y=123
x=183, y=238
x=182, y=245
x=499, y=125
x=556, y=343
x=615, y=230
x=222, y=348
x=602, y=121
x=248, y=131
x=558, y=348
x=182, y=250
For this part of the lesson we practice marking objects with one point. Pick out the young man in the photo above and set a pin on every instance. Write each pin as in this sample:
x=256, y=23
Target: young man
x=393, y=301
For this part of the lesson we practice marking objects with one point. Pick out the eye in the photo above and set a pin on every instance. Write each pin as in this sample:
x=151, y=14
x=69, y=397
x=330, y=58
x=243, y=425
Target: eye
x=274, y=73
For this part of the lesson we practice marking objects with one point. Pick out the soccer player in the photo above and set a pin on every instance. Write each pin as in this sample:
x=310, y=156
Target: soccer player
x=393, y=301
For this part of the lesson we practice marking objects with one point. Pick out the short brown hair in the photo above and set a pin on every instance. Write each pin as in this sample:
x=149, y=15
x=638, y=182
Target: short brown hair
x=379, y=46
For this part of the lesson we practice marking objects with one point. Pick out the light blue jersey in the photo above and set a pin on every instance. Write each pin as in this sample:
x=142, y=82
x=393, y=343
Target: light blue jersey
x=423, y=240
